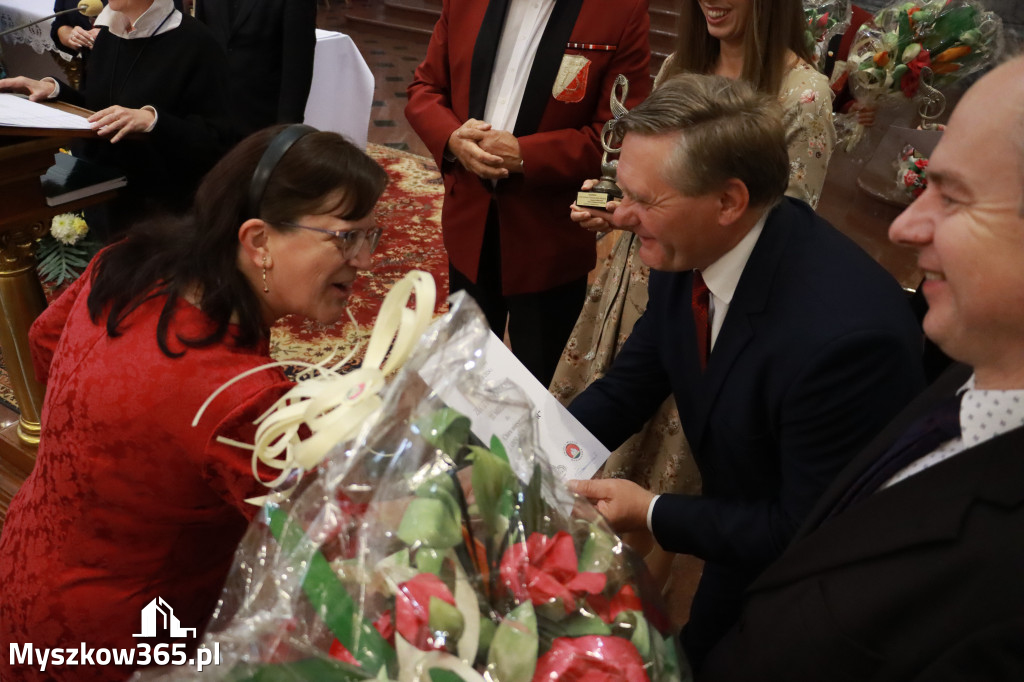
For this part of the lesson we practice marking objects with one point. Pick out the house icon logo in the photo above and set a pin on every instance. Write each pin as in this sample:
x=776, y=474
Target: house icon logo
x=158, y=616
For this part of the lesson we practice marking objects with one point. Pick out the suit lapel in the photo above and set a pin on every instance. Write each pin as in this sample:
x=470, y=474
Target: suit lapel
x=482, y=65
x=546, y=65
x=245, y=8
x=753, y=292
x=926, y=508
x=945, y=386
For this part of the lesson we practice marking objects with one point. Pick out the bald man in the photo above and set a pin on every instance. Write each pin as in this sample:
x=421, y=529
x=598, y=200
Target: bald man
x=911, y=567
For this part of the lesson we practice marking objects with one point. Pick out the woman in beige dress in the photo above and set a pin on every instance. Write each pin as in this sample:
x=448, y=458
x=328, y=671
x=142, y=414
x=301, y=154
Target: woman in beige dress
x=761, y=41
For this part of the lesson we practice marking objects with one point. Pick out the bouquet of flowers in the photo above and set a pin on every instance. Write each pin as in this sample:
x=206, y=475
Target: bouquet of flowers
x=66, y=250
x=912, y=172
x=417, y=552
x=825, y=19
x=909, y=43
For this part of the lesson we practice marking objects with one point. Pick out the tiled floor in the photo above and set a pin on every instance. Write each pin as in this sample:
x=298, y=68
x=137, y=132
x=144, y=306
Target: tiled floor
x=392, y=63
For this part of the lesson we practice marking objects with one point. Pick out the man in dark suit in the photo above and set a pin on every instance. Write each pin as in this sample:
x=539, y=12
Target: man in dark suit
x=270, y=45
x=786, y=346
x=910, y=567
x=510, y=101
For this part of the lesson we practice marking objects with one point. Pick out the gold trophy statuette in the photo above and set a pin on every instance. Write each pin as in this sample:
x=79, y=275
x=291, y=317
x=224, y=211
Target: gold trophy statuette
x=606, y=190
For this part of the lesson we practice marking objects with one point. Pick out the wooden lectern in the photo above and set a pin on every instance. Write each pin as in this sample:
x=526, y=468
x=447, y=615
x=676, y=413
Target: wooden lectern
x=25, y=154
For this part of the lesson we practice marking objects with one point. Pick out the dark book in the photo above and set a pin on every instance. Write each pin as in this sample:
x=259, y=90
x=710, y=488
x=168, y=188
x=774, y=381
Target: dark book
x=71, y=178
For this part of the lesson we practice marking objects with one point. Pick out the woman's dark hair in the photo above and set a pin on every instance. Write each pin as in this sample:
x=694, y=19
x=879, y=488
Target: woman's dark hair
x=197, y=254
x=775, y=28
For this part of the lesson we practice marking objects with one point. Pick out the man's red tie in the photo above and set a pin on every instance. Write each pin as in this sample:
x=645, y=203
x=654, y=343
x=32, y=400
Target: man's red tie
x=700, y=318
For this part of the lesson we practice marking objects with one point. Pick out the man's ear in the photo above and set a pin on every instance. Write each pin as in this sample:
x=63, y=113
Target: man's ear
x=253, y=237
x=734, y=199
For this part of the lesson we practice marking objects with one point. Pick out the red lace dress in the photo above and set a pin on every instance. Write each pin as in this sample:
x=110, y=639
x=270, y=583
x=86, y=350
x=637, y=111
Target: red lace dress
x=127, y=501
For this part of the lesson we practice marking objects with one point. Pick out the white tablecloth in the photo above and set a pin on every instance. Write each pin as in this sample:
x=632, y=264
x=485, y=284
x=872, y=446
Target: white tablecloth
x=342, y=90
x=27, y=52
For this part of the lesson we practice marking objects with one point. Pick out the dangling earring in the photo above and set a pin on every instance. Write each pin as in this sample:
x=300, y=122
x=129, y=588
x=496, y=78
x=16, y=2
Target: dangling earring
x=266, y=289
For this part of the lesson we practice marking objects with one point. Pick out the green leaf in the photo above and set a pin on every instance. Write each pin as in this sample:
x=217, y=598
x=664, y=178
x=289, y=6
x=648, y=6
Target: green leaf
x=59, y=263
x=534, y=510
x=498, y=449
x=579, y=626
x=445, y=618
x=492, y=478
x=331, y=600
x=445, y=429
x=513, y=652
x=487, y=631
x=439, y=675
x=429, y=560
x=432, y=522
x=599, y=551
x=634, y=623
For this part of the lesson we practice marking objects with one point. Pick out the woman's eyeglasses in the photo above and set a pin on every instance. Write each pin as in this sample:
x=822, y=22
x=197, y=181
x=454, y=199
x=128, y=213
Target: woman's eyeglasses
x=351, y=241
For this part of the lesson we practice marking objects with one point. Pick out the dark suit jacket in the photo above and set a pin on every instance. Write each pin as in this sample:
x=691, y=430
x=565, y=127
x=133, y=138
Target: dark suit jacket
x=558, y=136
x=818, y=351
x=269, y=45
x=920, y=581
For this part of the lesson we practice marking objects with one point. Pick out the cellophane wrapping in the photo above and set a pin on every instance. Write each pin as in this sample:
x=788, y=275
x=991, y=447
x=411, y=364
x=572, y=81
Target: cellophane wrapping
x=951, y=39
x=825, y=20
x=954, y=38
x=417, y=552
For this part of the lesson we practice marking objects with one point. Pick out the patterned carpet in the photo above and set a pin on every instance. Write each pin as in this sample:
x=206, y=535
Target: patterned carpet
x=410, y=213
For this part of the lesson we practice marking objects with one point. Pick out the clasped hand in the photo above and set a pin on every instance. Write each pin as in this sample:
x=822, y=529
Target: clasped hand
x=487, y=153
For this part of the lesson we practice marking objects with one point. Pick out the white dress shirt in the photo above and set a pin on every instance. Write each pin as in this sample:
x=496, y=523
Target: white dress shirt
x=722, y=277
x=520, y=37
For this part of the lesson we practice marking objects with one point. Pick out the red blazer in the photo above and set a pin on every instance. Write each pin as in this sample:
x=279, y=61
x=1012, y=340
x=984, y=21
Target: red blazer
x=559, y=137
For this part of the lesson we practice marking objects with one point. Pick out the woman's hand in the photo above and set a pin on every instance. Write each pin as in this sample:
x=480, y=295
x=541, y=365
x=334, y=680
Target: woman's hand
x=36, y=90
x=76, y=37
x=120, y=121
x=594, y=220
x=865, y=113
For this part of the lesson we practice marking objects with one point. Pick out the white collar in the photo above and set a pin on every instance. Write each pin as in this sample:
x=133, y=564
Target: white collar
x=985, y=414
x=723, y=275
x=156, y=20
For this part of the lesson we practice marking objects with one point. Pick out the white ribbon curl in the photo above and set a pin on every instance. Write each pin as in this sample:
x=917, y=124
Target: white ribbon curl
x=334, y=406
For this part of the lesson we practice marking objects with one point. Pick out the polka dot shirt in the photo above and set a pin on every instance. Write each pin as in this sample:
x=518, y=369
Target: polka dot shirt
x=983, y=416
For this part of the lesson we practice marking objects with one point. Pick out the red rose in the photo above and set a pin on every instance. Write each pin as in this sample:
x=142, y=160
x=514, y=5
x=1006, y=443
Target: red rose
x=412, y=606
x=912, y=78
x=625, y=600
x=593, y=658
x=545, y=569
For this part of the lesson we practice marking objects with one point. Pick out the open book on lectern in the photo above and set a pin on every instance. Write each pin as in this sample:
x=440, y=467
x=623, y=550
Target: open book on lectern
x=21, y=116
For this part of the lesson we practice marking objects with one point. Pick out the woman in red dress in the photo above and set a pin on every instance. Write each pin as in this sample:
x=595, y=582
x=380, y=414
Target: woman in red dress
x=128, y=502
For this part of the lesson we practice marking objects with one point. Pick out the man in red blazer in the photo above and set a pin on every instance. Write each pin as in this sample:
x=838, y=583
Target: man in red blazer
x=510, y=100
